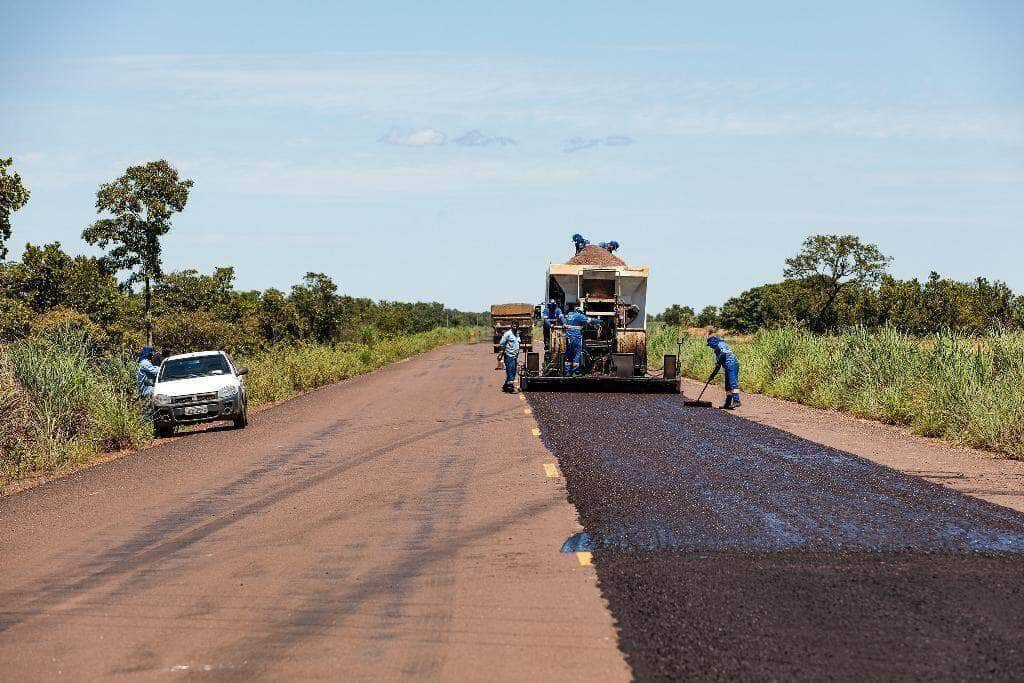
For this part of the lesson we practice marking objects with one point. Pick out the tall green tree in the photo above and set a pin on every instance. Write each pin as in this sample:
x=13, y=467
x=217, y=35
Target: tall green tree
x=831, y=264
x=13, y=196
x=140, y=204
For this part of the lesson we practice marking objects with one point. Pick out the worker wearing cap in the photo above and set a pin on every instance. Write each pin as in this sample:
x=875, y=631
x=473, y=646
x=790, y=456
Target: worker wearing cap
x=552, y=316
x=574, y=323
x=580, y=241
x=726, y=359
x=509, y=346
x=610, y=247
x=147, y=371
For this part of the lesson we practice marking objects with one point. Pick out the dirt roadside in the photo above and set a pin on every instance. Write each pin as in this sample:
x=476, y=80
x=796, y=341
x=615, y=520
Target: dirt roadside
x=972, y=471
x=399, y=524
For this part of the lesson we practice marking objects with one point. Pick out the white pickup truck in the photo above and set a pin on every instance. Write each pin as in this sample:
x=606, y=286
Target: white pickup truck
x=198, y=387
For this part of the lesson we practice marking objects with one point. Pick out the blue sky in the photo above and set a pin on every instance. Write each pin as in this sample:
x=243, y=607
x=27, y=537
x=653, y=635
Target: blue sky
x=446, y=151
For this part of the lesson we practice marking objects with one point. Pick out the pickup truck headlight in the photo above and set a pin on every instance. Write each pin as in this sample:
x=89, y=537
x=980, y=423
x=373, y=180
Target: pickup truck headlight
x=161, y=400
x=227, y=392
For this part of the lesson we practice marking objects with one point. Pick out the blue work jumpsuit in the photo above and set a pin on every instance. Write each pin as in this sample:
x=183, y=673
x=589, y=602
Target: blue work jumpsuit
x=147, y=374
x=727, y=360
x=574, y=323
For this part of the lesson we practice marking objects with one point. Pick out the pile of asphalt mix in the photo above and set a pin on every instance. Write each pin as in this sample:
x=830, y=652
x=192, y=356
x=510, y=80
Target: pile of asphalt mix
x=727, y=549
x=593, y=255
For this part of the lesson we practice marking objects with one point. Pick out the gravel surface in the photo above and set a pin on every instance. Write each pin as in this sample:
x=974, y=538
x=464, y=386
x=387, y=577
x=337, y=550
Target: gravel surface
x=593, y=255
x=729, y=549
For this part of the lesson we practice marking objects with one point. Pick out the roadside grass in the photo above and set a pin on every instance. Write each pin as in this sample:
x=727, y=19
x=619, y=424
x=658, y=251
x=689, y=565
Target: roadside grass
x=966, y=390
x=63, y=401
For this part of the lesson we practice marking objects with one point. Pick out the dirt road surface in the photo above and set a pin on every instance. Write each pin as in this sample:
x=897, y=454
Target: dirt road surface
x=396, y=525
x=411, y=524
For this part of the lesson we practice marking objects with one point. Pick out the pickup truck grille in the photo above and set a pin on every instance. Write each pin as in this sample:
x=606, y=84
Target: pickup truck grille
x=195, y=398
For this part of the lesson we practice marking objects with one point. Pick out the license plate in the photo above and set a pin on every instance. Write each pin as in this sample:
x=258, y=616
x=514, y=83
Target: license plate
x=196, y=410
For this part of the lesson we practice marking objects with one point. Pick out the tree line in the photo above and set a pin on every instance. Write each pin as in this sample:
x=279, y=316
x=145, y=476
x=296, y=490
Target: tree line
x=125, y=297
x=838, y=281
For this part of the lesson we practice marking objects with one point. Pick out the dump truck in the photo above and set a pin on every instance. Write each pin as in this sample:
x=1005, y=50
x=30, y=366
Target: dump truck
x=502, y=316
x=615, y=348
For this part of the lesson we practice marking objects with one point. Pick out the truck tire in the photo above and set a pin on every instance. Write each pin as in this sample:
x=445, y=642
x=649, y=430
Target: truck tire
x=242, y=420
x=163, y=430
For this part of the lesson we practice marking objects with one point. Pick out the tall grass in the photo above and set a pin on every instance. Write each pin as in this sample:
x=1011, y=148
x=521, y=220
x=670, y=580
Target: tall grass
x=287, y=370
x=967, y=390
x=62, y=401
x=66, y=402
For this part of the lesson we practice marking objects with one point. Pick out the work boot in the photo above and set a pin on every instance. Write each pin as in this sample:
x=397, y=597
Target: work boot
x=736, y=401
x=728, y=405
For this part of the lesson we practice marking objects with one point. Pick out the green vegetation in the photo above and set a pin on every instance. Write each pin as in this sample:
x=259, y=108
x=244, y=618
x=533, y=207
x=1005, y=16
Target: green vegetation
x=966, y=390
x=71, y=326
x=837, y=282
x=64, y=399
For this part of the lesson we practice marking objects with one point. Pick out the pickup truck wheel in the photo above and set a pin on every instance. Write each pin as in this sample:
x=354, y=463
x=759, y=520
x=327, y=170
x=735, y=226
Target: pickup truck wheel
x=162, y=430
x=242, y=420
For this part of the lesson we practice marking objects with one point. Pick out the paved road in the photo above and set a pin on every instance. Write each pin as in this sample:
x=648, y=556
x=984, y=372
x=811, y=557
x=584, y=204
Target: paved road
x=729, y=549
x=396, y=525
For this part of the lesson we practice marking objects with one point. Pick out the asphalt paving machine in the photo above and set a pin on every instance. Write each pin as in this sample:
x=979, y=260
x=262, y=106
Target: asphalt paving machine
x=615, y=347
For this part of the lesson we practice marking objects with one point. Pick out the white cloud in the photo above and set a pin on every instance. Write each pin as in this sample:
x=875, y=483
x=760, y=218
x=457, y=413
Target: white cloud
x=475, y=138
x=576, y=144
x=424, y=137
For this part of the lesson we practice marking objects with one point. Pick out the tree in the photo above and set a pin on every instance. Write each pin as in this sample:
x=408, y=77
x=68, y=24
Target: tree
x=832, y=263
x=678, y=316
x=140, y=203
x=13, y=196
x=316, y=300
x=708, y=317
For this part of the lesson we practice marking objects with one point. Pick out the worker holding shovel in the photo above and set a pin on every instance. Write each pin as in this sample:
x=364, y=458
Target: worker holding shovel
x=726, y=359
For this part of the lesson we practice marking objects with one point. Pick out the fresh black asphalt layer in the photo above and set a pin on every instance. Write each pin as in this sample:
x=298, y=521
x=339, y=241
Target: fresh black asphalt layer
x=728, y=549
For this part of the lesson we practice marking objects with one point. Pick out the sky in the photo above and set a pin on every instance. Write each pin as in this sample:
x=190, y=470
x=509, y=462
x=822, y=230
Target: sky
x=447, y=151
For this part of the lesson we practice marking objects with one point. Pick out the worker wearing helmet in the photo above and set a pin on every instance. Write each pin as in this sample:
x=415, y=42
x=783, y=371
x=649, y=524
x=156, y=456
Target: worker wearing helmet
x=552, y=315
x=509, y=346
x=580, y=241
x=610, y=247
x=574, y=323
x=726, y=359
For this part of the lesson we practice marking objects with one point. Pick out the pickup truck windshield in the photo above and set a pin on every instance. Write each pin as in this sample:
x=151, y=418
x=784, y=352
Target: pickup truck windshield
x=203, y=366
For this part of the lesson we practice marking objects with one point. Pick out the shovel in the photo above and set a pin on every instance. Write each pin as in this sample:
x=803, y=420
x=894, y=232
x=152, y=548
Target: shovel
x=699, y=403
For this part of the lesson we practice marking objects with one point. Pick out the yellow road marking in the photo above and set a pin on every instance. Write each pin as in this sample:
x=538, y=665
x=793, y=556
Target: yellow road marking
x=535, y=431
x=526, y=411
x=550, y=470
x=584, y=558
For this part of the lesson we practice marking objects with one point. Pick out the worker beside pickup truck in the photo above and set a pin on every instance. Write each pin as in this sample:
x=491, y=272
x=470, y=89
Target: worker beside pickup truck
x=509, y=346
x=147, y=371
x=726, y=359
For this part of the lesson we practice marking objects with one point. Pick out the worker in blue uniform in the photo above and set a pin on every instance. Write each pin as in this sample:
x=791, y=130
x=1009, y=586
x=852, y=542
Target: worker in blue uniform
x=610, y=247
x=552, y=315
x=574, y=323
x=147, y=373
x=725, y=358
x=580, y=241
x=509, y=348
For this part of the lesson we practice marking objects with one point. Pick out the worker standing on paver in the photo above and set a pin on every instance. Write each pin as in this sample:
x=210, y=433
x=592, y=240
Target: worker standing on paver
x=147, y=371
x=726, y=359
x=610, y=247
x=580, y=241
x=509, y=348
x=574, y=323
x=552, y=316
